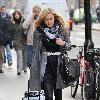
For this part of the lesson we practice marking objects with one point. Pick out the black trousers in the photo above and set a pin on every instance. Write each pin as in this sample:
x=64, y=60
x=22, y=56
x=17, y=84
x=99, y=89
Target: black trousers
x=51, y=78
x=49, y=93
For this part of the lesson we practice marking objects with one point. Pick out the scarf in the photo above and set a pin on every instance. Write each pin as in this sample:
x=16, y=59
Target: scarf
x=52, y=32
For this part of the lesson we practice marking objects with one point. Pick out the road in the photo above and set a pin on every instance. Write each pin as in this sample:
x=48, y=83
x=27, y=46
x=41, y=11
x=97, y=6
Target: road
x=78, y=37
x=12, y=87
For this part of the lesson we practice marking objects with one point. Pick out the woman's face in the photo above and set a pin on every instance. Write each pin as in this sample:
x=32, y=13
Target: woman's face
x=17, y=15
x=49, y=20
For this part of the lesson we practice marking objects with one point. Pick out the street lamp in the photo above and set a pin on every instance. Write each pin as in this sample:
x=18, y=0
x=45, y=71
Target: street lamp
x=88, y=44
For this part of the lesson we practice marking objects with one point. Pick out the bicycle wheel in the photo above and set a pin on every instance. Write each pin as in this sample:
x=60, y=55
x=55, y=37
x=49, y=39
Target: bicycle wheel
x=74, y=88
x=88, y=87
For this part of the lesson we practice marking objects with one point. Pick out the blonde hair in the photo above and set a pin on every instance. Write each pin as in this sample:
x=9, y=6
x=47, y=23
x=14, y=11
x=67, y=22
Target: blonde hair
x=44, y=13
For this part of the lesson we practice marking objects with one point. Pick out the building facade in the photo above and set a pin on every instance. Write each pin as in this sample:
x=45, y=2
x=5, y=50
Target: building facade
x=22, y=4
x=77, y=3
x=1, y=2
x=15, y=4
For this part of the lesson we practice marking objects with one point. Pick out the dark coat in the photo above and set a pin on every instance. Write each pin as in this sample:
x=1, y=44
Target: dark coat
x=5, y=30
x=35, y=80
x=17, y=34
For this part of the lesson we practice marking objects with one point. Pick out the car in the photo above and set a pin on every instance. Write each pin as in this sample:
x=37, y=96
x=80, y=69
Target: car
x=79, y=15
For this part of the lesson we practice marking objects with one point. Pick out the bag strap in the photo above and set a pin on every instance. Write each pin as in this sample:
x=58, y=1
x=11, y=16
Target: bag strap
x=27, y=30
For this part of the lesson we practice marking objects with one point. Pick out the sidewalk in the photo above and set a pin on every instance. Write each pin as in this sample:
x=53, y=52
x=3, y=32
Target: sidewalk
x=95, y=26
x=13, y=87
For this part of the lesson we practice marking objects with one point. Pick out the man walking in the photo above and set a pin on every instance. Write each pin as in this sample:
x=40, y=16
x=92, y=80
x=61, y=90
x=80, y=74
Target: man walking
x=5, y=15
x=29, y=26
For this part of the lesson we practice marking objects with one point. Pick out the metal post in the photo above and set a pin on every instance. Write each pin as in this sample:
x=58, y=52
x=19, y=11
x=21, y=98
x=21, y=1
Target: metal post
x=88, y=38
x=88, y=44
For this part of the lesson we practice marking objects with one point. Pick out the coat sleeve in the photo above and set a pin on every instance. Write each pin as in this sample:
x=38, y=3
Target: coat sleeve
x=67, y=41
x=27, y=23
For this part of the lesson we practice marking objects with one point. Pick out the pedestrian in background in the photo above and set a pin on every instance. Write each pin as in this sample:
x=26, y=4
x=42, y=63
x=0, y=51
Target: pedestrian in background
x=5, y=34
x=98, y=13
x=49, y=40
x=71, y=13
x=29, y=26
x=17, y=35
x=7, y=53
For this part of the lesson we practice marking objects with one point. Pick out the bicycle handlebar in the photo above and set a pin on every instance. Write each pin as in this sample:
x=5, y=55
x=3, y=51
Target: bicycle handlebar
x=74, y=46
x=79, y=47
x=94, y=51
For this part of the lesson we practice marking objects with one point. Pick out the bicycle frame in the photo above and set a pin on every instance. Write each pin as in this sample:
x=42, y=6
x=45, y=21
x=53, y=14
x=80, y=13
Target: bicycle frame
x=88, y=79
x=88, y=74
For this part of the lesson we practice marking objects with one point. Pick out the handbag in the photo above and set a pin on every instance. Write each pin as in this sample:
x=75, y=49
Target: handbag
x=69, y=69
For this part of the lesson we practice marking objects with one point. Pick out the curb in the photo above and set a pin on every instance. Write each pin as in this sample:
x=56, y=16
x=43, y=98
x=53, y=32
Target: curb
x=96, y=29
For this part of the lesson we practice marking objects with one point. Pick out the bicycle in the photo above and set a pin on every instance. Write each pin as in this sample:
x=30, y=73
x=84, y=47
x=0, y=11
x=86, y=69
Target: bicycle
x=74, y=86
x=95, y=54
x=89, y=78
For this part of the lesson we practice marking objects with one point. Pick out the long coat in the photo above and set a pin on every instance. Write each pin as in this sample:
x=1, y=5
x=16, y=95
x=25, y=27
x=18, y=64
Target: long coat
x=17, y=35
x=37, y=61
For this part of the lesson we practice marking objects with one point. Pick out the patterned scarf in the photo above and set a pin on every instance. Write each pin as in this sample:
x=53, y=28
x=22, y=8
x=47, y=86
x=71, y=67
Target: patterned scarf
x=51, y=33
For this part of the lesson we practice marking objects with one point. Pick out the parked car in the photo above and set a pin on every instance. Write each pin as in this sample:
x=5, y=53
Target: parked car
x=79, y=15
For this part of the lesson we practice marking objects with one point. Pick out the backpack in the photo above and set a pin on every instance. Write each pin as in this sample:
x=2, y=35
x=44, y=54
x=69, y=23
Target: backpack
x=5, y=31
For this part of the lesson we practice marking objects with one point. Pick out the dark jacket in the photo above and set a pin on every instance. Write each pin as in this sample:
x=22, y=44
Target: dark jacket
x=5, y=29
x=17, y=34
x=37, y=61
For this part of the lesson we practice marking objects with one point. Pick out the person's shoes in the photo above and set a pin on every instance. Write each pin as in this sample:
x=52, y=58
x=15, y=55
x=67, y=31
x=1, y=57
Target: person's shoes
x=29, y=66
x=10, y=63
x=4, y=64
x=4, y=61
x=19, y=73
x=1, y=71
x=25, y=71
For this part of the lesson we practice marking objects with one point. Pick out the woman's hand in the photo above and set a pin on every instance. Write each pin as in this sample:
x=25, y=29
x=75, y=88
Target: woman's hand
x=60, y=42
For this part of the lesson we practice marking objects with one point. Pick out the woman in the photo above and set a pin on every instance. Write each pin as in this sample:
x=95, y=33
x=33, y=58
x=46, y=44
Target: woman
x=50, y=39
x=19, y=42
